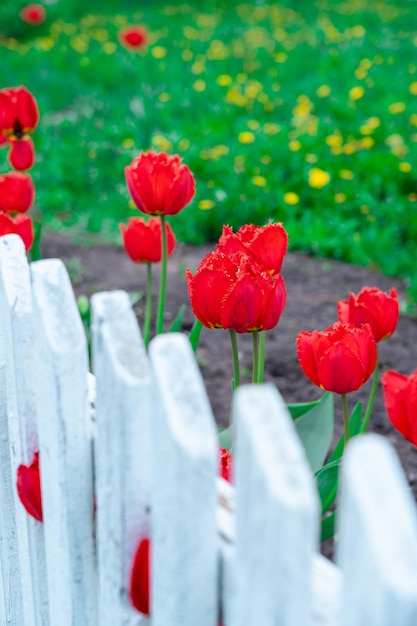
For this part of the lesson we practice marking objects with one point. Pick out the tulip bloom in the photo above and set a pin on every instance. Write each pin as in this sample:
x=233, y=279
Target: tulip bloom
x=159, y=183
x=133, y=37
x=29, y=488
x=19, y=116
x=400, y=399
x=371, y=305
x=142, y=240
x=234, y=292
x=20, y=225
x=268, y=244
x=17, y=192
x=139, y=578
x=340, y=358
x=33, y=14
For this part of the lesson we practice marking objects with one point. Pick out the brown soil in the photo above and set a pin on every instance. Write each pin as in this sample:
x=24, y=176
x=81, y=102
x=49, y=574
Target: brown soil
x=313, y=288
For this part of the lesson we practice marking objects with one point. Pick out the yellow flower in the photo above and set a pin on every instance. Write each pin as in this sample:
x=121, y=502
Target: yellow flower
x=367, y=142
x=292, y=198
x=404, y=167
x=271, y=128
x=396, y=107
x=318, y=178
x=246, y=137
x=159, y=52
x=253, y=124
x=224, y=80
x=340, y=197
x=199, y=85
x=413, y=119
x=128, y=143
x=413, y=88
x=187, y=55
x=164, y=97
x=311, y=158
x=323, y=91
x=356, y=93
x=334, y=140
x=259, y=181
x=161, y=142
x=346, y=174
x=183, y=144
x=294, y=145
x=205, y=205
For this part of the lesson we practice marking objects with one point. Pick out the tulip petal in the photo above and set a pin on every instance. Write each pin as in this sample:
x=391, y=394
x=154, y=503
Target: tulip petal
x=29, y=488
x=140, y=578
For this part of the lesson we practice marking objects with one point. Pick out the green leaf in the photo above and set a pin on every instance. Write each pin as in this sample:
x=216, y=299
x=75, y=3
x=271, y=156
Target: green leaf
x=35, y=251
x=328, y=526
x=327, y=484
x=300, y=408
x=195, y=334
x=355, y=421
x=177, y=322
x=315, y=429
x=225, y=438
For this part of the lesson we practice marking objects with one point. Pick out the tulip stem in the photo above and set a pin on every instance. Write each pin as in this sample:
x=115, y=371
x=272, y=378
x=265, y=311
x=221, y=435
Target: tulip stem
x=255, y=366
x=235, y=356
x=148, y=305
x=262, y=338
x=371, y=399
x=345, y=418
x=163, y=280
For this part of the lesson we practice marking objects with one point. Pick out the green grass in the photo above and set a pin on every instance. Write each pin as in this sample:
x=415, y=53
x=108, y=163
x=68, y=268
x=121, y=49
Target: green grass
x=283, y=72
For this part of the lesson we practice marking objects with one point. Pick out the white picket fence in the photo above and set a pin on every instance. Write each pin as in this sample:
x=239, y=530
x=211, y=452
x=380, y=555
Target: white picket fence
x=148, y=464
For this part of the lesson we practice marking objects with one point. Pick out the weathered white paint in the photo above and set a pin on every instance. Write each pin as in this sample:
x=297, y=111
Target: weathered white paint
x=124, y=406
x=22, y=543
x=184, y=494
x=65, y=447
x=377, y=549
x=276, y=515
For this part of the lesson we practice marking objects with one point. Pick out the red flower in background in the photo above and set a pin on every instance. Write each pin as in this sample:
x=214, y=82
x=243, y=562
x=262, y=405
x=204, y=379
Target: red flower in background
x=268, y=244
x=33, y=14
x=235, y=292
x=17, y=192
x=225, y=464
x=29, y=488
x=142, y=240
x=340, y=358
x=19, y=116
x=374, y=307
x=159, y=183
x=133, y=37
x=400, y=399
x=20, y=225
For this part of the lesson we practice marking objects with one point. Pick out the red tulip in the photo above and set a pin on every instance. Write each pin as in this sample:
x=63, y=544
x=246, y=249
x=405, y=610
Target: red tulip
x=19, y=113
x=33, y=14
x=268, y=244
x=21, y=155
x=17, y=192
x=159, y=183
x=20, y=225
x=29, y=487
x=235, y=292
x=142, y=240
x=380, y=310
x=400, y=399
x=340, y=358
x=133, y=37
x=139, y=578
x=225, y=464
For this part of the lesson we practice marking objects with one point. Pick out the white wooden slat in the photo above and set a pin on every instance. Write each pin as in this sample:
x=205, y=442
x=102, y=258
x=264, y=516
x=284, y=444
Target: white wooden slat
x=65, y=447
x=124, y=405
x=184, y=497
x=377, y=545
x=276, y=515
x=23, y=547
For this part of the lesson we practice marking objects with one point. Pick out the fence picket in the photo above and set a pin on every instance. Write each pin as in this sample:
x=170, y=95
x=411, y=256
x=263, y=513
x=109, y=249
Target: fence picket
x=184, y=494
x=377, y=548
x=122, y=450
x=65, y=447
x=22, y=540
x=276, y=515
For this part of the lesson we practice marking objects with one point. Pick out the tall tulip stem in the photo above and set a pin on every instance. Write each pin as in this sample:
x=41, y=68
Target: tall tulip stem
x=371, y=398
x=163, y=280
x=148, y=305
x=255, y=366
x=345, y=417
x=262, y=339
x=235, y=356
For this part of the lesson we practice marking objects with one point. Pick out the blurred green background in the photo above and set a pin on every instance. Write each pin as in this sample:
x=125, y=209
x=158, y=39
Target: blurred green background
x=301, y=112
